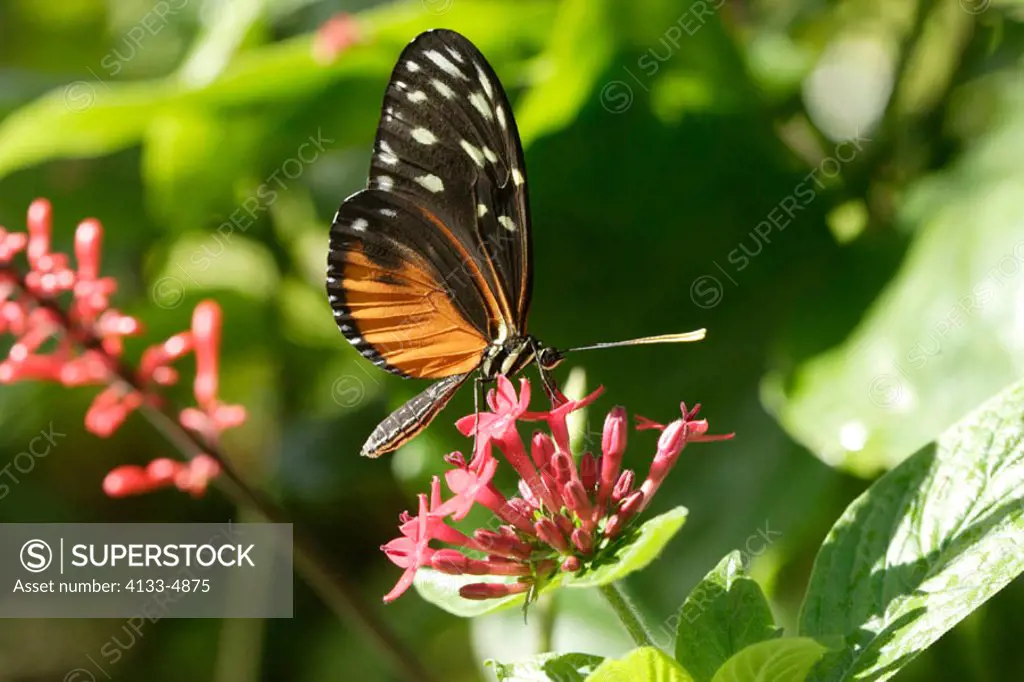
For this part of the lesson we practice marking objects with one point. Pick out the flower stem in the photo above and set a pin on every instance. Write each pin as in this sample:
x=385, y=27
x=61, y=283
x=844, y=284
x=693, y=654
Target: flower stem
x=627, y=613
x=333, y=588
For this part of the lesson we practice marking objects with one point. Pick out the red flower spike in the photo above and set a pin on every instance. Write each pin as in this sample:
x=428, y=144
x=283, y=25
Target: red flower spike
x=39, y=225
x=557, y=523
x=88, y=341
x=206, y=321
x=128, y=480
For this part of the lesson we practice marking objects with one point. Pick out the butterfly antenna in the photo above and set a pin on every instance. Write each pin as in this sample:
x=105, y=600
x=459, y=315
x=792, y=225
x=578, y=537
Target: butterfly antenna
x=663, y=338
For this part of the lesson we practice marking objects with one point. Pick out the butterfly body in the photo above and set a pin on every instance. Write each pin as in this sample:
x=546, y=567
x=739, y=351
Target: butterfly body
x=429, y=272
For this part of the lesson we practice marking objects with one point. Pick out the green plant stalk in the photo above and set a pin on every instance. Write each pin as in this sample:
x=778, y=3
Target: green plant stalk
x=627, y=613
x=337, y=593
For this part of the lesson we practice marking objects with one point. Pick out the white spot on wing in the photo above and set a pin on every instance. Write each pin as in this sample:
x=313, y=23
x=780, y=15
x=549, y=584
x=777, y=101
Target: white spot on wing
x=481, y=210
x=417, y=96
x=473, y=152
x=491, y=156
x=455, y=54
x=517, y=176
x=507, y=223
x=442, y=88
x=423, y=136
x=431, y=183
x=444, y=63
x=387, y=156
x=385, y=183
x=501, y=116
x=360, y=225
x=412, y=66
x=388, y=212
x=480, y=104
x=485, y=82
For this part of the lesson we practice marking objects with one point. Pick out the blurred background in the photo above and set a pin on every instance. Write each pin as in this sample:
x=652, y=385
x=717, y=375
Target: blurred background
x=834, y=189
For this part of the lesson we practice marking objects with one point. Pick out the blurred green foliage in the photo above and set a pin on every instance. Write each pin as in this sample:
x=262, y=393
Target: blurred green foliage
x=687, y=168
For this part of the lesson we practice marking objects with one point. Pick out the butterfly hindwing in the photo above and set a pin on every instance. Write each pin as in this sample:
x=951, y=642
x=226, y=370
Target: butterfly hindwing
x=398, y=292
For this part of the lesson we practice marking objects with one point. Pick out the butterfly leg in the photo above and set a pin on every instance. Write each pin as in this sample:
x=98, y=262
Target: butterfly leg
x=478, y=383
x=550, y=386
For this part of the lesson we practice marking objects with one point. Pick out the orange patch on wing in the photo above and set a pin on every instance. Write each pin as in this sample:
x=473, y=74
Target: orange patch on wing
x=408, y=318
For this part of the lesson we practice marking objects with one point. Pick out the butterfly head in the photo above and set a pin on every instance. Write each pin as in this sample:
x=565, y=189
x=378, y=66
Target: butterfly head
x=548, y=358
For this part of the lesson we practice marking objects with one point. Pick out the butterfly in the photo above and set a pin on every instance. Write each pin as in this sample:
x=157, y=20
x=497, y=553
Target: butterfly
x=429, y=272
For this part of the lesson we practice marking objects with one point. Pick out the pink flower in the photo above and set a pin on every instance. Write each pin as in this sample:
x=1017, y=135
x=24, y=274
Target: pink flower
x=411, y=551
x=567, y=517
x=86, y=340
x=336, y=35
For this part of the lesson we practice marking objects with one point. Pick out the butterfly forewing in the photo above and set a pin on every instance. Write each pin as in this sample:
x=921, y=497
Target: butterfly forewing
x=431, y=264
x=447, y=138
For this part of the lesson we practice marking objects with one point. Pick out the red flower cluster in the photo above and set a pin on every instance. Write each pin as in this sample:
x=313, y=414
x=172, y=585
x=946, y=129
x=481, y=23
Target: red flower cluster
x=566, y=515
x=66, y=331
x=334, y=36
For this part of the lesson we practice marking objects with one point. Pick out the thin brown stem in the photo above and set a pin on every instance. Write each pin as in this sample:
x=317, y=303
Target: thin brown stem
x=310, y=562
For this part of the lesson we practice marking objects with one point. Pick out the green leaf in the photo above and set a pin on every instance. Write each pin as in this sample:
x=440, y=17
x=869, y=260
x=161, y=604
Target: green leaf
x=442, y=589
x=931, y=347
x=924, y=546
x=777, y=660
x=641, y=665
x=650, y=540
x=725, y=613
x=580, y=47
x=547, y=668
x=97, y=116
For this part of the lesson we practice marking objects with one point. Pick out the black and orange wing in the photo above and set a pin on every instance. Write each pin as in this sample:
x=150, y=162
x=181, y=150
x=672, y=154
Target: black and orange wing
x=391, y=284
x=431, y=263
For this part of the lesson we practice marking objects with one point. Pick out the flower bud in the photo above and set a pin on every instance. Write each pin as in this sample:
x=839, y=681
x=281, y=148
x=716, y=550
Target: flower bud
x=589, y=471
x=492, y=590
x=549, y=533
x=583, y=540
x=623, y=486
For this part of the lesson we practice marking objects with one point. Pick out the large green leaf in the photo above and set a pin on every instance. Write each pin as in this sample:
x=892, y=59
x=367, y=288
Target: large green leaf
x=724, y=613
x=641, y=665
x=579, y=50
x=924, y=546
x=442, y=590
x=777, y=660
x=945, y=333
x=94, y=116
x=548, y=668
